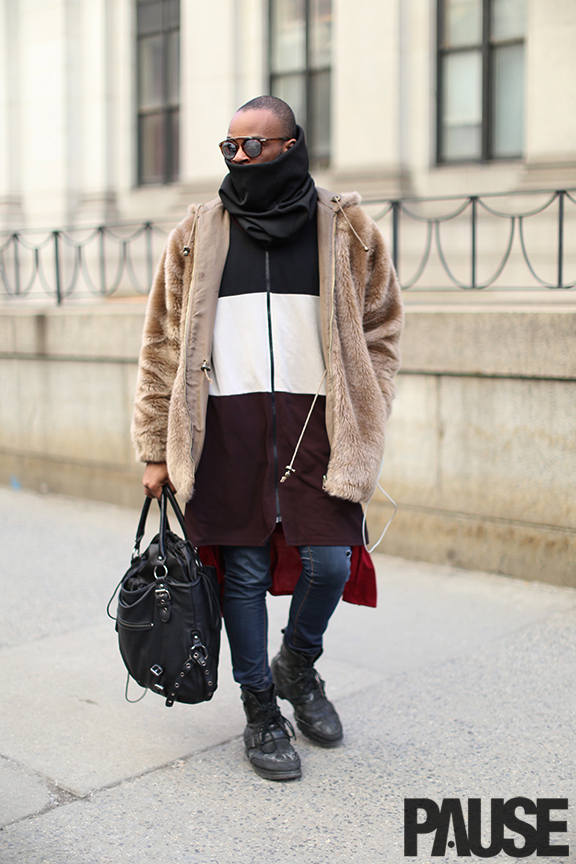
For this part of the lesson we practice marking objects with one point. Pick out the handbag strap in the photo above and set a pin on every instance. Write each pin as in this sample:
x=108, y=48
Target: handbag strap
x=176, y=507
x=141, y=527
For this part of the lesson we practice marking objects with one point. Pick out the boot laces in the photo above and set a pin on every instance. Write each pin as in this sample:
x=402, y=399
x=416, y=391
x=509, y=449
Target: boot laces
x=274, y=719
x=310, y=680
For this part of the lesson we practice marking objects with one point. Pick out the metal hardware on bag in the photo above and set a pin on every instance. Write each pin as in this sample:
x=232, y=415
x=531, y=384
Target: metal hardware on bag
x=156, y=670
x=163, y=602
x=158, y=688
x=164, y=575
x=162, y=594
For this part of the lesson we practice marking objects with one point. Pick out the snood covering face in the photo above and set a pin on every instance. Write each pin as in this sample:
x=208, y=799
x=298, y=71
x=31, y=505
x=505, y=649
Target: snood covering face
x=271, y=201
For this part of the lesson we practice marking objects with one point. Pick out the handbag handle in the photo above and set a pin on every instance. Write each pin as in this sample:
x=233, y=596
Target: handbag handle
x=168, y=495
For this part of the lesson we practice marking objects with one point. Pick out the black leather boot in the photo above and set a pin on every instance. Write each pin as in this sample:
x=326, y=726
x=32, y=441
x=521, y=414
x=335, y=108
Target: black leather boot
x=298, y=681
x=267, y=737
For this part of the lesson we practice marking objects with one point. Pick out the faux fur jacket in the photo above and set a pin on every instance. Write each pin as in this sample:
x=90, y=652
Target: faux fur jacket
x=361, y=318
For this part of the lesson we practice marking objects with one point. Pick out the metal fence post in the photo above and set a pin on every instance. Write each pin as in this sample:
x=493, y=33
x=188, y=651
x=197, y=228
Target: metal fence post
x=396, y=235
x=149, y=261
x=561, y=194
x=16, y=264
x=474, y=200
x=57, y=268
x=102, y=260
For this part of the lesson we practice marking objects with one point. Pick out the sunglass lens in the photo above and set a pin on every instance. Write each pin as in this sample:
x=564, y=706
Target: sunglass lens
x=252, y=147
x=229, y=149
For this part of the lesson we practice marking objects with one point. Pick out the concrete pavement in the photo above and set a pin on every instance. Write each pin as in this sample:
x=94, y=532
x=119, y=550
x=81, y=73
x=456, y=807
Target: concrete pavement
x=459, y=685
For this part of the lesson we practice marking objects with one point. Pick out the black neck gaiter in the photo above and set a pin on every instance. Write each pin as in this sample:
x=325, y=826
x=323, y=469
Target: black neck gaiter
x=271, y=201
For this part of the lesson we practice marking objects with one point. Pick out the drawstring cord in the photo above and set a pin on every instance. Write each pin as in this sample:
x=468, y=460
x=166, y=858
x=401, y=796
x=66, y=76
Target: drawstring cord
x=364, y=538
x=337, y=199
x=289, y=468
x=186, y=249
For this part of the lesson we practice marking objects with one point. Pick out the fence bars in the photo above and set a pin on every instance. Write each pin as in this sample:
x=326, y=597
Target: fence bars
x=72, y=277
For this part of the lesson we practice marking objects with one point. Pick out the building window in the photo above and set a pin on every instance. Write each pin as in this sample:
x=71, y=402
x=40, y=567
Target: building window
x=158, y=30
x=300, y=63
x=480, y=79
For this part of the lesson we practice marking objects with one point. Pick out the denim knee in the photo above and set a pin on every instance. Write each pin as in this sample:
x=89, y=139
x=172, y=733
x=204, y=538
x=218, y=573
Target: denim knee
x=327, y=565
x=247, y=570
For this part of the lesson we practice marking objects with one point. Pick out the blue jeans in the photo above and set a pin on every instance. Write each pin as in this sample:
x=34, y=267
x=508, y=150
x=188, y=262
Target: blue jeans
x=325, y=571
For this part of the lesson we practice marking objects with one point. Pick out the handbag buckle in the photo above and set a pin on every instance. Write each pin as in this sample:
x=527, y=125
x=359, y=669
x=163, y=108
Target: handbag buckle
x=197, y=646
x=163, y=602
x=157, y=671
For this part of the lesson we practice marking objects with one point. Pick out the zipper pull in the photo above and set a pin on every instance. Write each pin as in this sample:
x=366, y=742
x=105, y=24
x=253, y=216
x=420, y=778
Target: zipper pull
x=206, y=369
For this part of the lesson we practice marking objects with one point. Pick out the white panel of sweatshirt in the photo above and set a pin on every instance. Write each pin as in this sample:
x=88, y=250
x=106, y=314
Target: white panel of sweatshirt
x=241, y=350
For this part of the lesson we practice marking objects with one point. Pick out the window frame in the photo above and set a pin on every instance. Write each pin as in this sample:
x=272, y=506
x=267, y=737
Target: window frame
x=487, y=49
x=308, y=72
x=171, y=167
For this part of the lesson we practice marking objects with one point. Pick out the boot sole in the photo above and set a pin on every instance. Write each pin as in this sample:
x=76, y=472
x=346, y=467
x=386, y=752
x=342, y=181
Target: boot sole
x=276, y=775
x=323, y=742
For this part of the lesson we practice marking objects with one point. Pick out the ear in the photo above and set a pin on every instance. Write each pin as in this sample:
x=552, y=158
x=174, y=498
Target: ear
x=290, y=143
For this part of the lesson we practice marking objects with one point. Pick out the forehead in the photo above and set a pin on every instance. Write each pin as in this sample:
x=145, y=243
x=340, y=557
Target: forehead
x=255, y=122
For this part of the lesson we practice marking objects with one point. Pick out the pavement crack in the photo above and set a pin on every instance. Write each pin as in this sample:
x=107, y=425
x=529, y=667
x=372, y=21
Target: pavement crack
x=58, y=795
x=61, y=797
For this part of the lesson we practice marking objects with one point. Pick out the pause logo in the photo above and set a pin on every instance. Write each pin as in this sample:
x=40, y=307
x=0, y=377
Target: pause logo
x=468, y=833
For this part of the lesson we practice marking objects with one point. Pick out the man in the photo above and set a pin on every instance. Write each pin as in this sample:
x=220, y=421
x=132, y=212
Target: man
x=266, y=377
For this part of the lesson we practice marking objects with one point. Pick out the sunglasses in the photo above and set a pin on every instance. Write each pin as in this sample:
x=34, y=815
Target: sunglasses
x=251, y=146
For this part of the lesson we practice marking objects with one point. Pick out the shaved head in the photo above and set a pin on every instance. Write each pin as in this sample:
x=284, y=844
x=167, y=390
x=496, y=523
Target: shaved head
x=279, y=108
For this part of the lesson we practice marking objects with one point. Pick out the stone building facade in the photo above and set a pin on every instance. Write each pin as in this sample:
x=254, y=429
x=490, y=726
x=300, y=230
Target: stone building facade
x=112, y=109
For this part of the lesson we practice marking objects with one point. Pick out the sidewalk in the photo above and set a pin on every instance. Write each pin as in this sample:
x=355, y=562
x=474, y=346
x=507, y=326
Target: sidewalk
x=459, y=685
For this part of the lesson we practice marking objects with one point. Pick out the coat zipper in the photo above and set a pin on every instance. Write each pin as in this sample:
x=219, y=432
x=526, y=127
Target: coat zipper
x=272, y=389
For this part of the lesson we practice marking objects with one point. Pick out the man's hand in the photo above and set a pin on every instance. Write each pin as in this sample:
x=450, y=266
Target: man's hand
x=156, y=476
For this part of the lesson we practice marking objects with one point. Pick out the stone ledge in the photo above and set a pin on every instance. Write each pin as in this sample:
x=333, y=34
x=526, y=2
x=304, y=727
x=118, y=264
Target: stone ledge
x=496, y=342
x=530, y=552
x=503, y=341
x=115, y=485
x=113, y=332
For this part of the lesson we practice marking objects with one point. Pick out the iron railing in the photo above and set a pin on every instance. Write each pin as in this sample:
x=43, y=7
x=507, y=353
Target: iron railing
x=79, y=263
x=481, y=237
x=461, y=242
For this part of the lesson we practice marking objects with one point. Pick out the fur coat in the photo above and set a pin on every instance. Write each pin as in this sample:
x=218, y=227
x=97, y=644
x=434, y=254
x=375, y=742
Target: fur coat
x=361, y=317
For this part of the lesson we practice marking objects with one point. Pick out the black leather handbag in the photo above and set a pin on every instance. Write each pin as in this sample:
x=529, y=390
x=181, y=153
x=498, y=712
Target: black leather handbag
x=168, y=616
